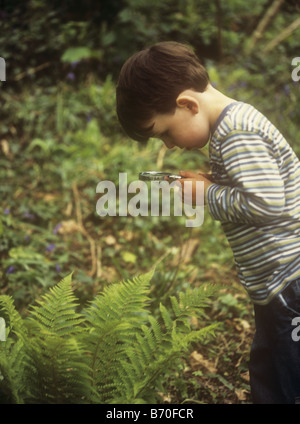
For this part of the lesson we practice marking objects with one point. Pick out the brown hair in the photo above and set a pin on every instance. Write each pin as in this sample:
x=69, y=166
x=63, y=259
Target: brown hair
x=150, y=82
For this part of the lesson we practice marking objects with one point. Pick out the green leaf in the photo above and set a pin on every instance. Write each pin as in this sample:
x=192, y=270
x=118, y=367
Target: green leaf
x=129, y=257
x=74, y=54
x=22, y=253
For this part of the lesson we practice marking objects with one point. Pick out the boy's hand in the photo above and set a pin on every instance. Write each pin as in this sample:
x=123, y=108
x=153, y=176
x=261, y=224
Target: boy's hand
x=190, y=197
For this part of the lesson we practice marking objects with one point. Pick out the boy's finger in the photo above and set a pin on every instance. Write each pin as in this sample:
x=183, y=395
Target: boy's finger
x=189, y=174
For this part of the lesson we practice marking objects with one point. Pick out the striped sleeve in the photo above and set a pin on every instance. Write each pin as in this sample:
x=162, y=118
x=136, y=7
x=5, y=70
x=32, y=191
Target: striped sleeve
x=256, y=191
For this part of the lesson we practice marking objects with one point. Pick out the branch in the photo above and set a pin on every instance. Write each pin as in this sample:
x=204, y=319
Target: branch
x=219, y=26
x=262, y=25
x=284, y=34
x=32, y=71
x=94, y=249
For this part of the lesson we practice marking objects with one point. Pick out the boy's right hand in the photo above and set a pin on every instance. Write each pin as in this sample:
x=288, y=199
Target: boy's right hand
x=190, y=196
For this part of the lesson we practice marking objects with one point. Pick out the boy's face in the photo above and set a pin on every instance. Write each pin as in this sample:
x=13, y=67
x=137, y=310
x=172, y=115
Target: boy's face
x=188, y=127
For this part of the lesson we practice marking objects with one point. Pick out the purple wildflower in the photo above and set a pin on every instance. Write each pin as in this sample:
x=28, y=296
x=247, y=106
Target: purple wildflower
x=75, y=63
x=71, y=76
x=57, y=227
x=89, y=117
x=58, y=268
x=50, y=247
x=6, y=211
x=29, y=215
x=10, y=270
x=286, y=90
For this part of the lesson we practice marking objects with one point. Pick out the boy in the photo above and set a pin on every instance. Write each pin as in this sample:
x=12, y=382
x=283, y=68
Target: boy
x=254, y=190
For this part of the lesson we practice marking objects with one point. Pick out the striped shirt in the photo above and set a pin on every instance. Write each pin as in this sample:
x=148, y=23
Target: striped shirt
x=256, y=196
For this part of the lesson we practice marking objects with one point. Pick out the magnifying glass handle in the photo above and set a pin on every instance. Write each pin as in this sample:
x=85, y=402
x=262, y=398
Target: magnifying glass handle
x=174, y=177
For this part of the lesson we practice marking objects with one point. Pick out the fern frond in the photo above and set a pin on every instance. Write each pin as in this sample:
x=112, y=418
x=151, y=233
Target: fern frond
x=183, y=341
x=56, y=313
x=121, y=301
x=13, y=319
x=58, y=372
x=12, y=379
x=192, y=301
x=12, y=353
x=167, y=319
x=156, y=329
x=159, y=350
x=116, y=316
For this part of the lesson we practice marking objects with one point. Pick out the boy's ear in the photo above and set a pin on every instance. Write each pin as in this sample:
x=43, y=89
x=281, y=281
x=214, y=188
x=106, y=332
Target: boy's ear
x=187, y=102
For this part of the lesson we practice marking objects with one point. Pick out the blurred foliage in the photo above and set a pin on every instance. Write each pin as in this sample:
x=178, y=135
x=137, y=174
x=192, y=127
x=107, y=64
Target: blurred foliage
x=99, y=35
x=56, y=45
x=60, y=137
x=113, y=352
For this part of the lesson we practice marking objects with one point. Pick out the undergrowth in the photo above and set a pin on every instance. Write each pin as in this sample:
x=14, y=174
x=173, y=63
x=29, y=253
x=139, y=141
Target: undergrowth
x=111, y=351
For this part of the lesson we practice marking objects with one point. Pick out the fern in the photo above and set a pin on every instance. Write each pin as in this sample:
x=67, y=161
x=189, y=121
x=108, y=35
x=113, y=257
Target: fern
x=12, y=354
x=114, y=351
x=114, y=319
x=163, y=348
x=58, y=374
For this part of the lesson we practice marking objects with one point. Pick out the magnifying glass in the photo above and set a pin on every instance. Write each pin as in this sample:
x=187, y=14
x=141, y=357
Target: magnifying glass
x=158, y=176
